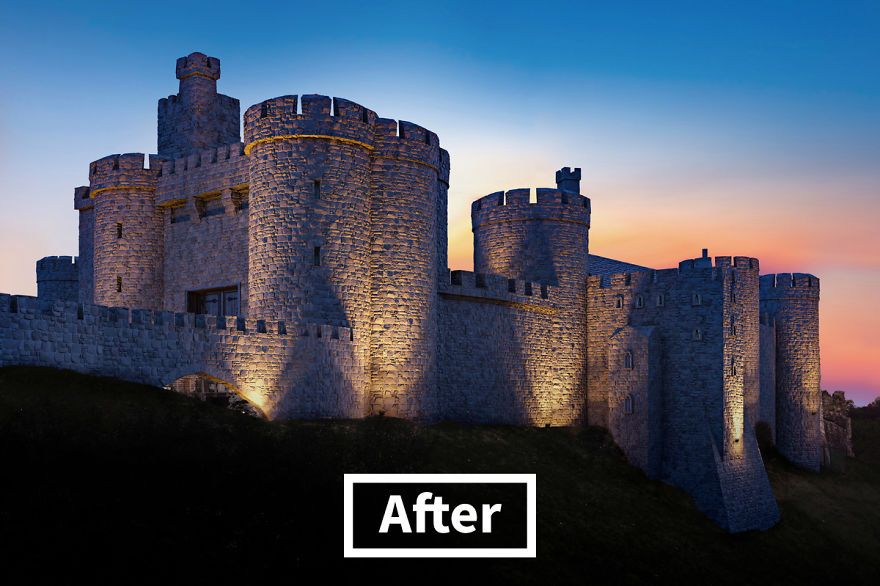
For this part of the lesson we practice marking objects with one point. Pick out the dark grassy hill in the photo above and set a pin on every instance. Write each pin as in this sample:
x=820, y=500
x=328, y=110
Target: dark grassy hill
x=123, y=480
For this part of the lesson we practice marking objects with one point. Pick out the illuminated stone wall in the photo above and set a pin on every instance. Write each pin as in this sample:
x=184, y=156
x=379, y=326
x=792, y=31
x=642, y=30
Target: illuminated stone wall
x=127, y=232
x=545, y=241
x=703, y=318
x=498, y=353
x=309, y=372
x=204, y=199
x=792, y=301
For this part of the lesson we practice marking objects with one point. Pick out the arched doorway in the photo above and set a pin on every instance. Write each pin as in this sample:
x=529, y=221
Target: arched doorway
x=215, y=391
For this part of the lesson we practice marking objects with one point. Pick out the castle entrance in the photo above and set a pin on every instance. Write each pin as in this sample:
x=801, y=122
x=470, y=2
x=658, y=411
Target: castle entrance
x=215, y=391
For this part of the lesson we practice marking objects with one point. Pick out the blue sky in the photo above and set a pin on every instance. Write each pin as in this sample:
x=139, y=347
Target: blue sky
x=749, y=128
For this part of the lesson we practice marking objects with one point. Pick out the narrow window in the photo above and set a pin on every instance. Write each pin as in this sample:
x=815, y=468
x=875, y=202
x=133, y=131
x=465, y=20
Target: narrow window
x=317, y=189
x=698, y=334
x=660, y=300
x=732, y=296
x=628, y=404
x=733, y=365
x=119, y=284
x=628, y=360
x=697, y=299
x=317, y=259
x=119, y=229
x=640, y=301
x=619, y=302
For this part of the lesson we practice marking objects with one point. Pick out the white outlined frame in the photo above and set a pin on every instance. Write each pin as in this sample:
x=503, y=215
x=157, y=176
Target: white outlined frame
x=530, y=551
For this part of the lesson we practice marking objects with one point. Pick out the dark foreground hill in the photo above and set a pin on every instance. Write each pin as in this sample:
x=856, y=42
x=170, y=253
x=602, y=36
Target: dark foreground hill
x=124, y=482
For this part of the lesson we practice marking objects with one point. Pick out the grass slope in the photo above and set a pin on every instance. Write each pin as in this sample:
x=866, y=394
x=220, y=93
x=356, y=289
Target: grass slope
x=122, y=480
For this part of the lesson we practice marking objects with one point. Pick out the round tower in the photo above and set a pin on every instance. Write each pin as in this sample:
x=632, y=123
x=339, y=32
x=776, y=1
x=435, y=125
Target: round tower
x=545, y=241
x=792, y=302
x=407, y=190
x=58, y=278
x=309, y=223
x=128, y=239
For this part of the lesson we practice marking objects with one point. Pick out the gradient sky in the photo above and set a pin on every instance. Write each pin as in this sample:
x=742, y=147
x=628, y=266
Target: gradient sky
x=748, y=128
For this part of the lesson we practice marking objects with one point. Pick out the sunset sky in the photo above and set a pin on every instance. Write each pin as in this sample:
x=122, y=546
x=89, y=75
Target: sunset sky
x=746, y=128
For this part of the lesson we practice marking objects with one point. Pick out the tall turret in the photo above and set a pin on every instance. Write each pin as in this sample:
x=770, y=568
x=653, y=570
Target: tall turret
x=546, y=241
x=792, y=301
x=309, y=223
x=407, y=186
x=197, y=117
x=128, y=238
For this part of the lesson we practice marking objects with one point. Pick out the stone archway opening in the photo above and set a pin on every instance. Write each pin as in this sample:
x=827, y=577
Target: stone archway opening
x=215, y=391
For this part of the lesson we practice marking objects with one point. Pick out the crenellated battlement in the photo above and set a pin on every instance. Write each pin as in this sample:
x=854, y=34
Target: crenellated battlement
x=516, y=205
x=209, y=170
x=57, y=267
x=123, y=171
x=121, y=317
x=789, y=285
x=496, y=289
x=198, y=64
x=690, y=270
x=320, y=117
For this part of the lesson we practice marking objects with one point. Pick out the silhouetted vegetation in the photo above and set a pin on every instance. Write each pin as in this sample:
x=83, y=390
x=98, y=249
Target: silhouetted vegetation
x=121, y=481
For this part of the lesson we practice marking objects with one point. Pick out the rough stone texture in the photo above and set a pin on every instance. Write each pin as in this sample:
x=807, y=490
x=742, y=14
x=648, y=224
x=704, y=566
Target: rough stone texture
x=58, y=278
x=837, y=423
x=127, y=264
x=767, y=406
x=197, y=117
x=702, y=319
x=331, y=222
x=308, y=372
x=497, y=356
x=792, y=301
x=635, y=396
x=546, y=241
x=85, y=205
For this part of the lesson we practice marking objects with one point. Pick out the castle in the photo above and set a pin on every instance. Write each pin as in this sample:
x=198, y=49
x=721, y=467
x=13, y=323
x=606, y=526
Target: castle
x=304, y=271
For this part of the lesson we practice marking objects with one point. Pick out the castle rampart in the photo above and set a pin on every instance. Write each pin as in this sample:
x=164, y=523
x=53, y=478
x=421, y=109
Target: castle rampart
x=309, y=371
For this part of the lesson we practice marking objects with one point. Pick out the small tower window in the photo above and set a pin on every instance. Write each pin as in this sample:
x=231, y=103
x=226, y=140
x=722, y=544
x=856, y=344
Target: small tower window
x=317, y=189
x=119, y=284
x=119, y=229
x=732, y=296
x=317, y=258
x=640, y=301
x=618, y=303
x=698, y=334
x=696, y=299
x=733, y=365
x=660, y=300
x=629, y=404
x=732, y=326
x=628, y=360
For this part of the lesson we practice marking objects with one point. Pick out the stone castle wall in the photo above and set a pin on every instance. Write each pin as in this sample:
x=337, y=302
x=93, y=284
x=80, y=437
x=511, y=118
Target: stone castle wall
x=204, y=201
x=127, y=232
x=545, y=241
x=497, y=353
x=311, y=371
x=792, y=302
x=58, y=278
